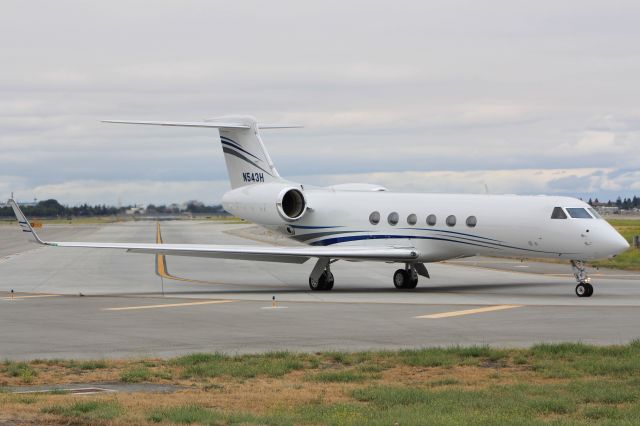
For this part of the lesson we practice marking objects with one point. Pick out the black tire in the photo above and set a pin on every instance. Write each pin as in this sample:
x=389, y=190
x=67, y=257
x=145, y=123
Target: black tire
x=314, y=285
x=589, y=290
x=413, y=279
x=324, y=283
x=329, y=281
x=582, y=290
x=413, y=283
x=401, y=279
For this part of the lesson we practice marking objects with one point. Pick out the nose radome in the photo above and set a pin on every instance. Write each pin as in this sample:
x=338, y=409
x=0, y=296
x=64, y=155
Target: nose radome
x=620, y=243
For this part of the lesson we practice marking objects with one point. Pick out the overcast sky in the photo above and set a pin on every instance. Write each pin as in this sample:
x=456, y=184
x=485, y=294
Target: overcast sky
x=446, y=96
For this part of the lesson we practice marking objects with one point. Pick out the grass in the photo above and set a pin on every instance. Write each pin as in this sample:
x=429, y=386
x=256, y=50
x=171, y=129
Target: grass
x=569, y=383
x=339, y=376
x=136, y=374
x=87, y=410
x=86, y=365
x=216, y=365
x=21, y=370
x=196, y=414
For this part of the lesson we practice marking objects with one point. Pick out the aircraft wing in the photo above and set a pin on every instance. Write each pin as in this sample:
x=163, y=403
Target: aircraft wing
x=260, y=253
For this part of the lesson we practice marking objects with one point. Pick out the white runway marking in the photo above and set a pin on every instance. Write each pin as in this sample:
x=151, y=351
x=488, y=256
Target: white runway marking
x=169, y=305
x=30, y=297
x=469, y=311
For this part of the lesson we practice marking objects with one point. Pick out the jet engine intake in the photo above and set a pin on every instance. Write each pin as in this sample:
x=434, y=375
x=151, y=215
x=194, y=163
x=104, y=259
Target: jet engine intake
x=291, y=204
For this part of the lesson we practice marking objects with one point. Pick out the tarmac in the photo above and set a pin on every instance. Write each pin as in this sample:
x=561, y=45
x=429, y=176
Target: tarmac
x=86, y=303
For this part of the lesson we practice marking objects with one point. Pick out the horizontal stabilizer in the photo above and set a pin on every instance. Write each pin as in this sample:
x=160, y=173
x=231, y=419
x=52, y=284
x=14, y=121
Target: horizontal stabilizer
x=209, y=124
x=279, y=126
x=184, y=124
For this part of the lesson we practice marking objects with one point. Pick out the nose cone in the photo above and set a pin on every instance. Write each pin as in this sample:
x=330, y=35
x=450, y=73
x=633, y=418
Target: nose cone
x=618, y=243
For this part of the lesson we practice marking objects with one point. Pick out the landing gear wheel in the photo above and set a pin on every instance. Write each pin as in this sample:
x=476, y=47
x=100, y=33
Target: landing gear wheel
x=584, y=290
x=404, y=279
x=413, y=282
x=589, y=290
x=324, y=283
x=400, y=278
x=329, y=281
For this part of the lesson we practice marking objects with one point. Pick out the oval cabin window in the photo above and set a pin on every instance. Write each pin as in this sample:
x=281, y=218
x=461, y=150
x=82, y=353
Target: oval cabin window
x=472, y=221
x=374, y=218
x=451, y=220
x=393, y=218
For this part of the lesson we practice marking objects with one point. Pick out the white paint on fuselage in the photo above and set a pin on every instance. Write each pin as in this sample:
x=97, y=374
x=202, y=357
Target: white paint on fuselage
x=507, y=225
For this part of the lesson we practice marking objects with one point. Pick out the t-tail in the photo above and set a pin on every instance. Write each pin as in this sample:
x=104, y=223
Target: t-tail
x=247, y=159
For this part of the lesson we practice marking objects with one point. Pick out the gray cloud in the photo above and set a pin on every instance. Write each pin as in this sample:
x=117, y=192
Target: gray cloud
x=384, y=89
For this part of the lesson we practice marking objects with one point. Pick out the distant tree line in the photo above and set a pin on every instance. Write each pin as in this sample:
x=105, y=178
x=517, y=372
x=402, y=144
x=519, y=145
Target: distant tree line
x=624, y=204
x=52, y=208
x=191, y=207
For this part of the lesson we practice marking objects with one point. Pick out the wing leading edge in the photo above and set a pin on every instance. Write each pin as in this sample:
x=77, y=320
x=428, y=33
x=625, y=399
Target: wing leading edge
x=239, y=252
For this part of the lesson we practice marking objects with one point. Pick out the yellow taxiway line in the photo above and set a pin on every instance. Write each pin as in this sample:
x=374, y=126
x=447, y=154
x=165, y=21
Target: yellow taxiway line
x=169, y=305
x=469, y=311
x=161, y=265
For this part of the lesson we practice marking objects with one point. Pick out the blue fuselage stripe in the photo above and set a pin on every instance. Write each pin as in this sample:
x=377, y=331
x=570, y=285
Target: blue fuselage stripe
x=453, y=232
x=336, y=240
x=485, y=244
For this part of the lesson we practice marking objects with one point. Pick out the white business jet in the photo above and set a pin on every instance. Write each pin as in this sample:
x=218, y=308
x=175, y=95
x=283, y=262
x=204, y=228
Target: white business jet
x=364, y=222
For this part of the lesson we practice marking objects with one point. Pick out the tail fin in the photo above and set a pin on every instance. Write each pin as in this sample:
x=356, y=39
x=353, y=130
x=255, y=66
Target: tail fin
x=247, y=159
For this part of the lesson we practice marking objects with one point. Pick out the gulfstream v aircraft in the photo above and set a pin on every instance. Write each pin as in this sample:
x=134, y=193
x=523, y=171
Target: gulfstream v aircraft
x=364, y=222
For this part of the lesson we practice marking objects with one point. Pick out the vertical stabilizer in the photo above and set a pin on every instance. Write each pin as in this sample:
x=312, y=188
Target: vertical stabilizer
x=247, y=159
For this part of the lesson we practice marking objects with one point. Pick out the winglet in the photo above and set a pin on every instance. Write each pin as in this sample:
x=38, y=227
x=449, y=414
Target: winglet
x=24, y=223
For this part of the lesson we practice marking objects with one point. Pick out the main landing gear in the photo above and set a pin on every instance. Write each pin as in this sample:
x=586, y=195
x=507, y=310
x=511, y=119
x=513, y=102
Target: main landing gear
x=584, y=287
x=321, y=278
x=323, y=283
x=407, y=278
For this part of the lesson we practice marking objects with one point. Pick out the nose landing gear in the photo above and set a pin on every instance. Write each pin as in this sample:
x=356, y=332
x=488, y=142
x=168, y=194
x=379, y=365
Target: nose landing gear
x=584, y=287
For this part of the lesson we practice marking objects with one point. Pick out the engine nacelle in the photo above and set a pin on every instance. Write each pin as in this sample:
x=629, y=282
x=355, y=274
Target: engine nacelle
x=268, y=203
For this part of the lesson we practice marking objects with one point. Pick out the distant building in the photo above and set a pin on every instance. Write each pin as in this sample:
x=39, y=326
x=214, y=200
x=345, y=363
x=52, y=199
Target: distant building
x=608, y=209
x=135, y=210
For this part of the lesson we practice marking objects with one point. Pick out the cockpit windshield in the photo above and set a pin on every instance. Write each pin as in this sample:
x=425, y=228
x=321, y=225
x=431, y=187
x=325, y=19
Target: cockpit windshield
x=558, y=213
x=578, y=213
x=595, y=213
